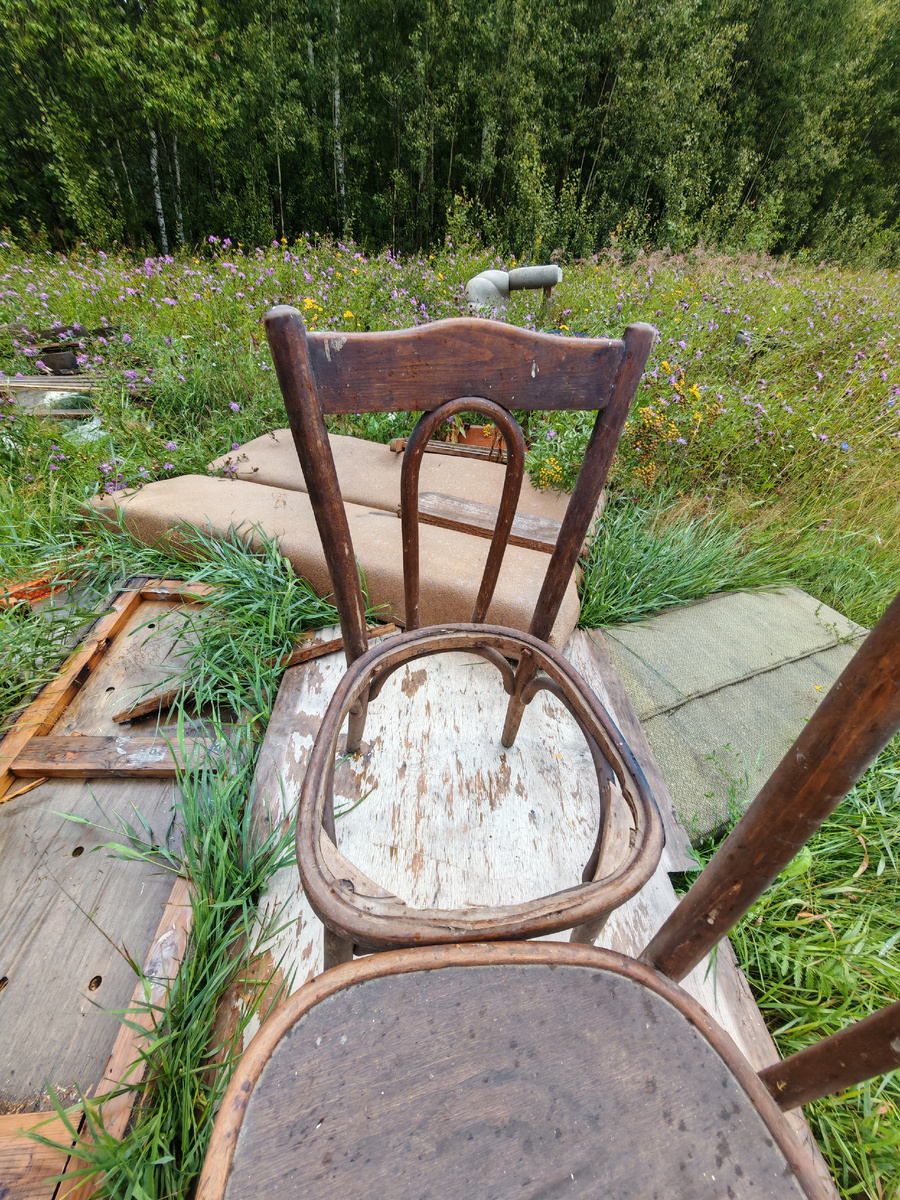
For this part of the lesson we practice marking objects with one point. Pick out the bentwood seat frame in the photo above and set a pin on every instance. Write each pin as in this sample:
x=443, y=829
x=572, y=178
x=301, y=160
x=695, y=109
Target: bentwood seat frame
x=400, y=1066
x=441, y=370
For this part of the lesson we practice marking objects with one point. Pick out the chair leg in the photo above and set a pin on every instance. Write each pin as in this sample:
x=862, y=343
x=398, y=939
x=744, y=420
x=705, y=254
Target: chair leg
x=337, y=949
x=356, y=724
x=525, y=672
x=589, y=931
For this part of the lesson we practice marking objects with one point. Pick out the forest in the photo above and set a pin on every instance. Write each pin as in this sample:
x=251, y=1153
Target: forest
x=544, y=129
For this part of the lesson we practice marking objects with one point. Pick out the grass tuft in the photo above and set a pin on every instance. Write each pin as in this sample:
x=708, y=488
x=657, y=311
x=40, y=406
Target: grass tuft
x=643, y=559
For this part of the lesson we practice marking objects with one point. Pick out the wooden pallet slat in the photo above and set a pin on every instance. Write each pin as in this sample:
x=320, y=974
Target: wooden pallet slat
x=80, y=757
x=43, y=713
x=470, y=516
x=26, y=1165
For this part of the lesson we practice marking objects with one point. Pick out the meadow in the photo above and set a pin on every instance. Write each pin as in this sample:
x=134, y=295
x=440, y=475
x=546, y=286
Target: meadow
x=763, y=448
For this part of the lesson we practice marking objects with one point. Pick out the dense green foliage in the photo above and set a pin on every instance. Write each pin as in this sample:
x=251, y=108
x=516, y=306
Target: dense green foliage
x=793, y=432
x=766, y=124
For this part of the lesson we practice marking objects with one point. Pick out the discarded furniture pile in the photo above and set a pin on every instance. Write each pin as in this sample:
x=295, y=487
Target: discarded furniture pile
x=470, y=782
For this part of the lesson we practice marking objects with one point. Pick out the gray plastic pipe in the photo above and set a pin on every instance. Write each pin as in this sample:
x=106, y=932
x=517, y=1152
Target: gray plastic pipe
x=491, y=289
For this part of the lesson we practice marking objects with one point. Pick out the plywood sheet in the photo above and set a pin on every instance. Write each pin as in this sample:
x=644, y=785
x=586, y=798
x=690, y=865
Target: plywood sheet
x=26, y=1166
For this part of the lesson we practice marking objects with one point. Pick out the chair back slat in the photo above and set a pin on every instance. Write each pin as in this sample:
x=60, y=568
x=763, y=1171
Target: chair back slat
x=851, y=726
x=290, y=354
x=465, y=364
x=409, y=499
x=415, y=370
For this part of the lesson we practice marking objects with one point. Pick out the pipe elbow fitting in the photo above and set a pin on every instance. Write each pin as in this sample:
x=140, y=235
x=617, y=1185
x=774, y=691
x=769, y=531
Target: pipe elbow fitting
x=490, y=289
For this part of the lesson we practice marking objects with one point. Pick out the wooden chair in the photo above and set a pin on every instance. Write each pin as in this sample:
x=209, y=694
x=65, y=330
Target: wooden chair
x=545, y=1069
x=444, y=369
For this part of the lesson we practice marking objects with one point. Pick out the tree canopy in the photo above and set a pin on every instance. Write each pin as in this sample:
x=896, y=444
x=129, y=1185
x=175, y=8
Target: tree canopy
x=766, y=123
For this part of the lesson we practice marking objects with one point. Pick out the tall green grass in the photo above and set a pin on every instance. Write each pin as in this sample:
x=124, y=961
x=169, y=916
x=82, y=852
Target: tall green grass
x=647, y=555
x=33, y=644
x=188, y=1064
x=820, y=949
x=229, y=649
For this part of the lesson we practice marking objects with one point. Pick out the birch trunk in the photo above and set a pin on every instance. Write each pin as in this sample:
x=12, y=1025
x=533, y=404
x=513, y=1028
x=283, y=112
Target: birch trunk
x=339, y=168
x=125, y=173
x=157, y=192
x=179, y=218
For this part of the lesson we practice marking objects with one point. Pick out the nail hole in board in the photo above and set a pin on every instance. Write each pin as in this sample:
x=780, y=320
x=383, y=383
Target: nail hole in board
x=152, y=625
x=3, y=982
x=110, y=689
x=95, y=982
x=78, y=851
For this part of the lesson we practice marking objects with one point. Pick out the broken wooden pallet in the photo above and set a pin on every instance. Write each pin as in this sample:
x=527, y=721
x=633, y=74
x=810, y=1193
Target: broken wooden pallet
x=64, y=911
x=24, y=747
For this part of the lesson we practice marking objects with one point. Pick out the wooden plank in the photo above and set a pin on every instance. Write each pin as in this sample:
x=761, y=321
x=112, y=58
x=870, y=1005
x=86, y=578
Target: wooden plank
x=26, y=1165
x=302, y=653
x=176, y=589
x=588, y=652
x=79, y=757
x=51, y=383
x=453, y=450
x=125, y=1065
x=469, y=516
x=65, y=912
x=42, y=714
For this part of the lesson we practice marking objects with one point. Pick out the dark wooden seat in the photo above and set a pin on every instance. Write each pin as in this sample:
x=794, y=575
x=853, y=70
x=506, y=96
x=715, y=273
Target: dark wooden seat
x=544, y=1069
x=443, y=370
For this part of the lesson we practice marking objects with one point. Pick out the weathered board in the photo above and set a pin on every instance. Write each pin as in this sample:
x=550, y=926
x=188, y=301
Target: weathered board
x=26, y=1165
x=469, y=516
x=437, y=812
x=65, y=911
x=89, y=757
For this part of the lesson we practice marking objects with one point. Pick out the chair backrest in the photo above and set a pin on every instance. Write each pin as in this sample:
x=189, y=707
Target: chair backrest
x=851, y=726
x=461, y=365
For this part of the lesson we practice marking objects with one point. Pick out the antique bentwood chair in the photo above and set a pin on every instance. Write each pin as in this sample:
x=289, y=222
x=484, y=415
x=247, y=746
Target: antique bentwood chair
x=538, y=1069
x=447, y=368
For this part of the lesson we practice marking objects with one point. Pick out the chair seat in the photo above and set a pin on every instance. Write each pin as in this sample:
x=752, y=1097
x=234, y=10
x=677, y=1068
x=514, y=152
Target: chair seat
x=369, y=917
x=527, y=1070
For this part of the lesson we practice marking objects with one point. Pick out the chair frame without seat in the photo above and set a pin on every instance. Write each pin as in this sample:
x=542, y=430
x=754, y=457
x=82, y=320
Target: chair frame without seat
x=441, y=370
x=852, y=725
